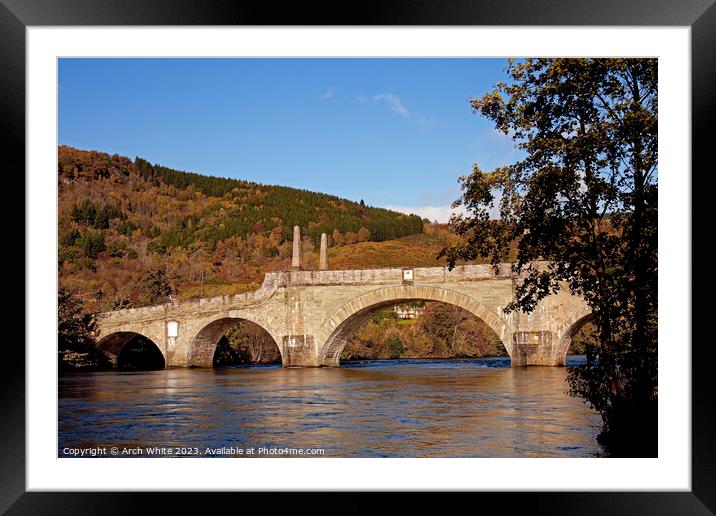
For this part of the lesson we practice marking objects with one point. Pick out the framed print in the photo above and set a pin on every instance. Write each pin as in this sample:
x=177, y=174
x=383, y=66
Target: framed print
x=243, y=226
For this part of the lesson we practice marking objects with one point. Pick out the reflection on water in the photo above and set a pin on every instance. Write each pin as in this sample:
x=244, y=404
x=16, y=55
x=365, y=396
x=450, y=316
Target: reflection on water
x=406, y=408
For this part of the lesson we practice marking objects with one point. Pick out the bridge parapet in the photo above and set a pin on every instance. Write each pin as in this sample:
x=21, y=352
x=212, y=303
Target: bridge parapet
x=395, y=275
x=272, y=282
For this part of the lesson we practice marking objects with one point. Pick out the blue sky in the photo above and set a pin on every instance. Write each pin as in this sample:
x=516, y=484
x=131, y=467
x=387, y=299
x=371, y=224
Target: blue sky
x=394, y=132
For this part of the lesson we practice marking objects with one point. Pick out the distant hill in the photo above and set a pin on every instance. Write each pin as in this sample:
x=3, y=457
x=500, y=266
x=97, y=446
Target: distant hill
x=131, y=231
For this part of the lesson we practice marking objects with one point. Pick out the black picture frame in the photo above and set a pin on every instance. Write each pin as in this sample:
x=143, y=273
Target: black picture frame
x=16, y=15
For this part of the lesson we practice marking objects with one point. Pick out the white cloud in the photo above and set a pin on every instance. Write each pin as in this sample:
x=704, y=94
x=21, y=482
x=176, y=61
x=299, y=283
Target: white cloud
x=441, y=213
x=328, y=94
x=393, y=102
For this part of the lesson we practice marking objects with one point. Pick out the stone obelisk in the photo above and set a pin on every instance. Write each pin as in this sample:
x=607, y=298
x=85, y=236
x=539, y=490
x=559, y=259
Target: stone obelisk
x=296, y=261
x=323, y=263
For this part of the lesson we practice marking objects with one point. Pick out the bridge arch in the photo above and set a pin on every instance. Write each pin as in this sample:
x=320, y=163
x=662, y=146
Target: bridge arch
x=570, y=330
x=332, y=335
x=116, y=346
x=203, y=345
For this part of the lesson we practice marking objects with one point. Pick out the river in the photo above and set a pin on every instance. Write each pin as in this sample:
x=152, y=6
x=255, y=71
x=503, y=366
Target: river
x=399, y=408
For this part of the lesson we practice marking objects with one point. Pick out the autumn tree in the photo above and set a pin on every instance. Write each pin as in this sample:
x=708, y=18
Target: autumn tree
x=76, y=345
x=253, y=344
x=456, y=332
x=394, y=346
x=75, y=327
x=583, y=198
x=155, y=285
x=363, y=234
x=350, y=238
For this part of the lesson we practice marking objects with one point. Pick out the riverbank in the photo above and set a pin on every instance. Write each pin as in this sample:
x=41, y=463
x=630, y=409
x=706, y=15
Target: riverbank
x=68, y=361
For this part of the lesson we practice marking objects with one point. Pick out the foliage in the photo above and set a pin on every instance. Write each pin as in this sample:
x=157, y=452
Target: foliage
x=395, y=346
x=247, y=343
x=74, y=326
x=98, y=217
x=75, y=334
x=442, y=331
x=92, y=244
x=588, y=335
x=156, y=286
x=455, y=332
x=75, y=164
x=584, y=198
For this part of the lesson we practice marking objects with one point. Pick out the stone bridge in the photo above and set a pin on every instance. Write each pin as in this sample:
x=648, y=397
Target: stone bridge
x=310, y=314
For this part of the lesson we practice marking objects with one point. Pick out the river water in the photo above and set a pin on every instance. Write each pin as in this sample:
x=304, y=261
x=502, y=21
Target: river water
x=403, y=408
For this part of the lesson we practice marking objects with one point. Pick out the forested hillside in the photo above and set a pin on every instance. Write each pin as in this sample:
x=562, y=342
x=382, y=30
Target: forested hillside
x=132, y=233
